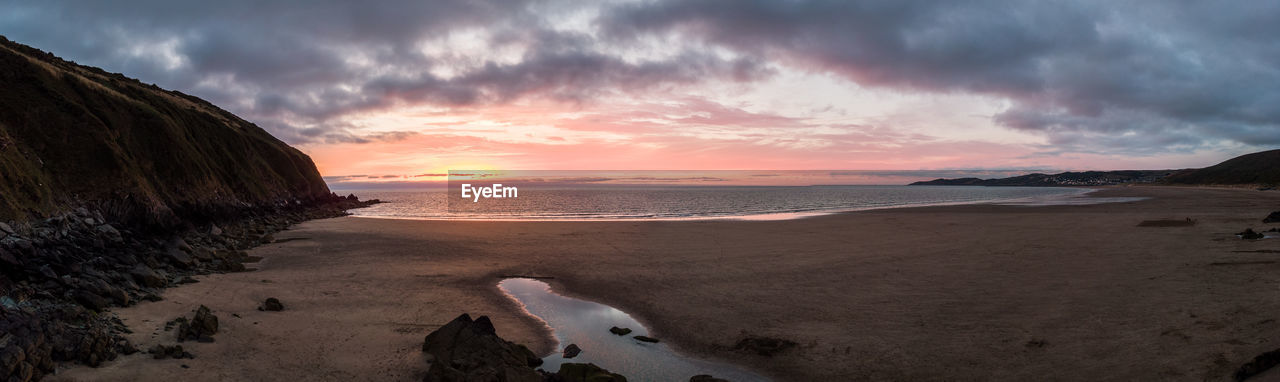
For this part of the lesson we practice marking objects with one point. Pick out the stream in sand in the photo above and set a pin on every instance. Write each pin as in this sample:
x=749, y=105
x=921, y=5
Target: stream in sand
x=587, y=324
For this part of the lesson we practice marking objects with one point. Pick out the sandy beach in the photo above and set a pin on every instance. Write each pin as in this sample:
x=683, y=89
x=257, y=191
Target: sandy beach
x=973, y=292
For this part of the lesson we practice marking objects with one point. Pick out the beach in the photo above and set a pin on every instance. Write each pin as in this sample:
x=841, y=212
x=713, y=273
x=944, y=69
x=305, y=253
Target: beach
x=967, y=292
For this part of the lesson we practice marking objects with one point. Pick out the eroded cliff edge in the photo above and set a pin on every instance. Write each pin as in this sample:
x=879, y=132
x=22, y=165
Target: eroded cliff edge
x=112, y=190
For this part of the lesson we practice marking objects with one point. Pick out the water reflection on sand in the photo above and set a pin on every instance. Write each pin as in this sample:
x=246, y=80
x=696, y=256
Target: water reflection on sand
x=587, y=324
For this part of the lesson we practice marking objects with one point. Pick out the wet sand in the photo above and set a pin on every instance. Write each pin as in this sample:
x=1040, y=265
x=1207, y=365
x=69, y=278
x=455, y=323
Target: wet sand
x=974, y=292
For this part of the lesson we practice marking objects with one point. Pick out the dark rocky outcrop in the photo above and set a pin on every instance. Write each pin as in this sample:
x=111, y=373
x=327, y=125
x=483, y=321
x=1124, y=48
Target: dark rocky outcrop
x=646, y=339
x=165, y=351
x=571, y=351
x=705, y=378
x=764, y=346
x=201, y=327
x=1258, y=365
x=1250, y=234
x=620, y=331
x=470, y=350
x=1274, y=217
x=72, y=136
x=583, y=372
x=111, y=189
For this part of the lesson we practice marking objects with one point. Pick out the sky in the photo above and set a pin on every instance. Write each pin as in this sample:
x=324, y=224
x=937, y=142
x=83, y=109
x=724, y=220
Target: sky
x=399, y=88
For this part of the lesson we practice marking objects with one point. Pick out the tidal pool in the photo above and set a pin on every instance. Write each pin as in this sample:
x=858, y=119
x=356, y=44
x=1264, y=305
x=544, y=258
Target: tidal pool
x=587, y=324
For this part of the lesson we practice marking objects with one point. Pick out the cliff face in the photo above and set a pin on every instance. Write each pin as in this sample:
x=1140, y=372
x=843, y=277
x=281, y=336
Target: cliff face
x=73, y=135
x=1257, y=168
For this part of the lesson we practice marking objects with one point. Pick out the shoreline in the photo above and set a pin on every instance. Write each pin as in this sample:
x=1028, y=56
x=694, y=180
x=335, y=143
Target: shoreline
x=963, y=292
x=1057, y=199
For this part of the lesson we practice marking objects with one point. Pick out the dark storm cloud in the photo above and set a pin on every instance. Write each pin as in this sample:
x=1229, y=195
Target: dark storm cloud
x=1178, y=74
x=1094, y=76
x=294, y=68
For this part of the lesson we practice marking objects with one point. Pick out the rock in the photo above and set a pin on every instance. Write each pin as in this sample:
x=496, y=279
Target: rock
x=179, y=257
x=571, y=351
x=215, y=231
x=47, y=272
x=4, y=227
x=145, y=276
x=187, y=280
x=271, y=305
x=646, y=339
x=125, y=347
x=110, y=232
x=180, y=244
x=585, y=372
x=1258, y=365
x=467, y=350
x=764, y=346
x=1248, y=234
x=118, y=296
x=705, y=378
x=201, y=326
x=620, y=331
x=8, y=258
x=175, y=352
x=1274, y=217
x=90, y=300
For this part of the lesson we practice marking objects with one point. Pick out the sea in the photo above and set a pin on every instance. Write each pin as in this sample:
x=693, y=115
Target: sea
x=686, y=202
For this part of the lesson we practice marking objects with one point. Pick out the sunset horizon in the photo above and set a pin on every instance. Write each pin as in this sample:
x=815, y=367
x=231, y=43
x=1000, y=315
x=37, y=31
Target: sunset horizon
x=684, y=86
x=639, y=190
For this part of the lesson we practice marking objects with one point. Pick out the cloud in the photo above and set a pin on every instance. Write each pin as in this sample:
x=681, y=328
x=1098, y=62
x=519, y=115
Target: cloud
x=298, y=70
x=1075, y=71
x=1090, y=77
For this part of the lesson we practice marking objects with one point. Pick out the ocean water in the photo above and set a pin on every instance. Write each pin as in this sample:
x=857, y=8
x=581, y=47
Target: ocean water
x=630, y=202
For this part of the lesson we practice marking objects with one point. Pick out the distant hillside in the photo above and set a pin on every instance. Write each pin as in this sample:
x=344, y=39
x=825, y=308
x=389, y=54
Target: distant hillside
x=1086, y=178
x=73, y=135
x=1257, y=168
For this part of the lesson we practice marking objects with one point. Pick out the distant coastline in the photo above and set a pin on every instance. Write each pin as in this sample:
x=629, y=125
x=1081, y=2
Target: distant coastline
x=1256, y=170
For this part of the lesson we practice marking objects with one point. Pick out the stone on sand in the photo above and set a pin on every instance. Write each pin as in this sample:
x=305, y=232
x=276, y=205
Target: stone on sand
x=470, y=350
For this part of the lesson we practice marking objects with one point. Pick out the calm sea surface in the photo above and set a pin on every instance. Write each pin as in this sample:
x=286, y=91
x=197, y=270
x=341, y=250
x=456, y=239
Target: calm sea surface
x=690, y=202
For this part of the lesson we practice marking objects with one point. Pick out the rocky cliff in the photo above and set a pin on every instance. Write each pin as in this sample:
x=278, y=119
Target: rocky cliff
x=112, y=190
x=77, y=136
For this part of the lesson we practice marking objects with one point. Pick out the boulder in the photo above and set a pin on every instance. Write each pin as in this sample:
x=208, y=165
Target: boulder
x=201, y=326
x=179, y=257
x=145, y=276
x=571, y=351
x=1274, y=217
x=470, y=350
x=175, y=352
x=620, y=331
x=271, y=305
x=646, y=339
x=90, y=300
x=1249, y=234
x=110, y=232
x=584, y=372
x=9, y=259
